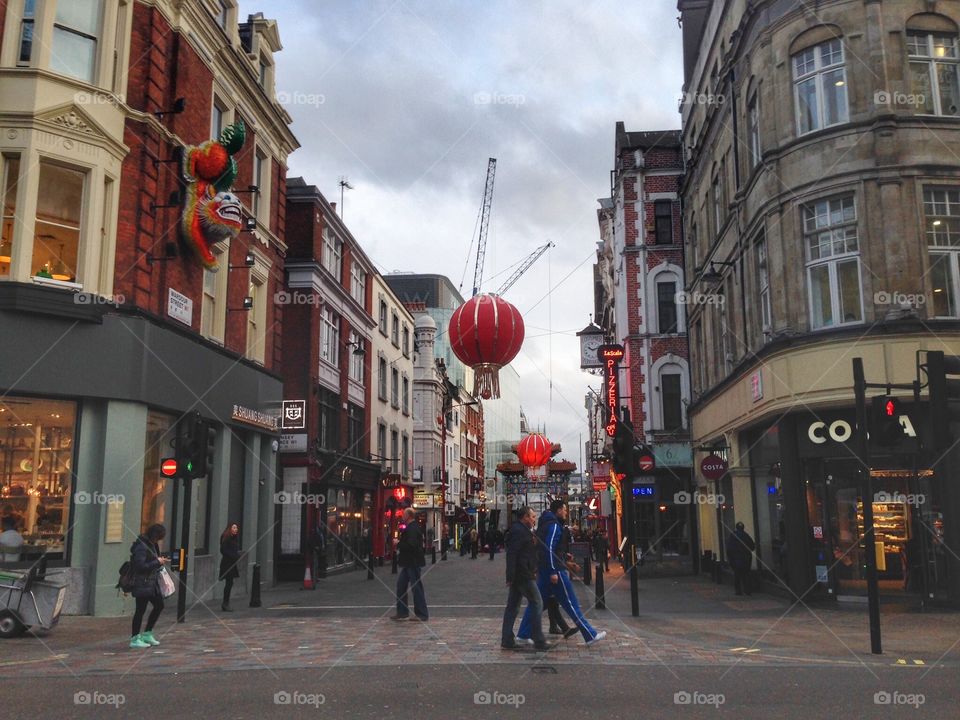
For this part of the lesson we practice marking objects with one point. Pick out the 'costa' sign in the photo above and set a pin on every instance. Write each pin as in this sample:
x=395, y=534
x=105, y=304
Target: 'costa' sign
x=713, y=467
x=841, y=431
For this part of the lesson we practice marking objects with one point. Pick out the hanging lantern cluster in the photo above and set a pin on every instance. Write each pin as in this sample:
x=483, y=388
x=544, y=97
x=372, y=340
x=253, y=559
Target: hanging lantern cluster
x=534, y=450
x=486, y=333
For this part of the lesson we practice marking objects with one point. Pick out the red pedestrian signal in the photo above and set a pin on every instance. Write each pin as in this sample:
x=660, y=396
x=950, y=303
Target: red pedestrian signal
x=890, y=408
x=168, y=467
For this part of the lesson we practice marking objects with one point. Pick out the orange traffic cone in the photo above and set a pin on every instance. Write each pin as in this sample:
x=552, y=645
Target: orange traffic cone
x=307, y=579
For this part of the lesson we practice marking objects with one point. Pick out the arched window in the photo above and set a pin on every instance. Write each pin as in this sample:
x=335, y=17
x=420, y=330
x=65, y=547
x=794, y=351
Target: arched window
x=933, y=55
x=663, y=289
x=819, y=79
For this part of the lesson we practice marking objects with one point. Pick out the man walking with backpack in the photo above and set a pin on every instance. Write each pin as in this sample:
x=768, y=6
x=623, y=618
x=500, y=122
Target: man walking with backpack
x=410, y=559
x=522, y=551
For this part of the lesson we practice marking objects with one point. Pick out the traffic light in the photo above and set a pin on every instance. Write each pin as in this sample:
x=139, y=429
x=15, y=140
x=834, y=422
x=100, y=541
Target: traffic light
x=195, y=446
x=885, y=428
x=944, y=397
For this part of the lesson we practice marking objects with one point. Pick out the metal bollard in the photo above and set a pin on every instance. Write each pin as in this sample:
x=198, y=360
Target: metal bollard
x=255, y=586
x=601, y=603
x=370, y=561
x=433, y=555
x=393, y=565
x=587, y=563
x=716, y=570
x=443, y=554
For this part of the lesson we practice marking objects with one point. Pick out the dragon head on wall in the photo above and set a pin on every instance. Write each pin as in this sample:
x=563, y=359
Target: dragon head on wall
x=211, y=213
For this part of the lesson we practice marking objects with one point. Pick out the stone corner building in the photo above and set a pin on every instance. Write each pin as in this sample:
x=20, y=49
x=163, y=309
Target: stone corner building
x=822, y=222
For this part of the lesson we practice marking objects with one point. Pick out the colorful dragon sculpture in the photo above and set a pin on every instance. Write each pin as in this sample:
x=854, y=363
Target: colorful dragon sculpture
x=211, y=213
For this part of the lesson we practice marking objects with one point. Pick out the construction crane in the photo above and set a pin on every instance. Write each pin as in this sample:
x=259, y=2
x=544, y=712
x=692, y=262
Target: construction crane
x=524, y=266
x=484, y=225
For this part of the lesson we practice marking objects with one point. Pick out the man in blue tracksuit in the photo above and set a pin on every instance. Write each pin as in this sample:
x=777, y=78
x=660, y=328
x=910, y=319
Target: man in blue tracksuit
x=553, y=578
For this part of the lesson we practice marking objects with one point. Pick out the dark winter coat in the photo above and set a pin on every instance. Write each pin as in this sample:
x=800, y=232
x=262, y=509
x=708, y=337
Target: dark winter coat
x=522, y=553
x=410, y=547
x=230, y=557
x=740, y=548
x=145, y=559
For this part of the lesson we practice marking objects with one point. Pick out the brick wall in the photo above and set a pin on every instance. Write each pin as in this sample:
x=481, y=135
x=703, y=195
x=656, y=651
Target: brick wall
x=164, y=66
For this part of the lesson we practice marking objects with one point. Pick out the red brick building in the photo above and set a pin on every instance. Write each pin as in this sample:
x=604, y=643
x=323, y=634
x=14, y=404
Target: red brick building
x=129, y=332
x=641, y=302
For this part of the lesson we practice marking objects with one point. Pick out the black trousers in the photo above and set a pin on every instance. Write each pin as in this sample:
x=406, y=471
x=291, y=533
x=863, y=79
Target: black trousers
x=227, y=588
x=556, y=619
x=157, y=603
x=741, y=580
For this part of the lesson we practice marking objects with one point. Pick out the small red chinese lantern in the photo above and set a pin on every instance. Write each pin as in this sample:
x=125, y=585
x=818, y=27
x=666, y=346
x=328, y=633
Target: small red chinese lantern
x=534, y=450
x=486, y=333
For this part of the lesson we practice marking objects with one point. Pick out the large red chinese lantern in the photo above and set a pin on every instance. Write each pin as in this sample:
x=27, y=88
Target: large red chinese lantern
x=486, y=333
x=534, y=450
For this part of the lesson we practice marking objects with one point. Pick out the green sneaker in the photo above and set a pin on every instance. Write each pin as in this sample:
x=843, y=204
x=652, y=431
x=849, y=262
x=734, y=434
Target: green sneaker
x=137, y=641
x=149, y=638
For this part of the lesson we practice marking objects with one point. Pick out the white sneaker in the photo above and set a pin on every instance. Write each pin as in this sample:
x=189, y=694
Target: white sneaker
x=525, y=641
x=600, y=636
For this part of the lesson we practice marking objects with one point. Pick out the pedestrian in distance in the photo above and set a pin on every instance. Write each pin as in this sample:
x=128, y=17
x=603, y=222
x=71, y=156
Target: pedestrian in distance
x=474, y=543
x=229, y=560
x=146, y=562
x=11, y=542
x=522, y=558
x=603, y=550
x=553, y=578
x=740, y=547
x=492, y=539
x=410, y=559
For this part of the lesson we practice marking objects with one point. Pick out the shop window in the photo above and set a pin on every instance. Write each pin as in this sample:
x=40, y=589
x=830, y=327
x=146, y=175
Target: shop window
x=345, y=526
x=26, y=32
x=76, y=29
x=56, y=244
x=328, y=436
x=158, y=491
x=933, y=68
x=820, y=86
x=833, y=262
x=10, y=167
x=36, y=479
x=663, y=221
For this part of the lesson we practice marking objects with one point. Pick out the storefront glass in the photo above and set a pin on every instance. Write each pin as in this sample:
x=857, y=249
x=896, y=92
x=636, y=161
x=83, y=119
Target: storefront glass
x=345, y=525
x=770, y=526
x=37, y=439
x=158, y=491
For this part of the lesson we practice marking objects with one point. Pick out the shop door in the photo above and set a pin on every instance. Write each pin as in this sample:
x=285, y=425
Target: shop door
x=892, y=528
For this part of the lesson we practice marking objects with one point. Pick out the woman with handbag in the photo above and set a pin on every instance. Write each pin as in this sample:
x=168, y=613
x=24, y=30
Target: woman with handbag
x=146, y=563
x=229, y=558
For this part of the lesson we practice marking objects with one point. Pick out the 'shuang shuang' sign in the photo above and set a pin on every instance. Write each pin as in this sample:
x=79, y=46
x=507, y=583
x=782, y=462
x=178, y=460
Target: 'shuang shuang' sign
x=255, y=418
x=611, y=356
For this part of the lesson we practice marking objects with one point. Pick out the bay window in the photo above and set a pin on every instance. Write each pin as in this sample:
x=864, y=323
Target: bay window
x=26, y=32
x=330, y=337
x=332, y=253
x=9, y=177
x=76, y=29
x=60, y=203
x=833, y=262
x=820, y=86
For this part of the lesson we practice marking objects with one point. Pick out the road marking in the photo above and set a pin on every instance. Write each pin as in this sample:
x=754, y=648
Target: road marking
x=902, y=661
x=367, y=607
x=37, y=660
x=752, y=650
x=918, y=662
x=737, y=649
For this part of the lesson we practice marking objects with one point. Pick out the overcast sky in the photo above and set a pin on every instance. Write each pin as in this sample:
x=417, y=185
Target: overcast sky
x=408, y=99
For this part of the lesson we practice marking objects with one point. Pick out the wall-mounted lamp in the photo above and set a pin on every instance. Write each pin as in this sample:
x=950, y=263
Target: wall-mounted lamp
x=179, y=105
x=173, y=201
x=712, y=276
x=249, y=260
x=247, y=305
x=250, y=189
x=249, y=223
x=358, y=348
x=170, y=251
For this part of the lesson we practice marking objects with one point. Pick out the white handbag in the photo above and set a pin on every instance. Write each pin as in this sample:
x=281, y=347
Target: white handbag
x=167, y=586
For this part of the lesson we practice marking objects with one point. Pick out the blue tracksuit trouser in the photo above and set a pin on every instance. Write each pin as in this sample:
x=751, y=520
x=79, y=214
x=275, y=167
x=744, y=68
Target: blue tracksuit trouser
x=565, y=595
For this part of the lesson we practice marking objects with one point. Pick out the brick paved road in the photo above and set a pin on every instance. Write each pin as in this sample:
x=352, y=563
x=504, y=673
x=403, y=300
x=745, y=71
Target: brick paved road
x=683, y=622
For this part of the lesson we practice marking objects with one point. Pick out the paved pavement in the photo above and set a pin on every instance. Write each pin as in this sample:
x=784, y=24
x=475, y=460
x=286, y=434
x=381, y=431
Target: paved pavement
x=686, y=621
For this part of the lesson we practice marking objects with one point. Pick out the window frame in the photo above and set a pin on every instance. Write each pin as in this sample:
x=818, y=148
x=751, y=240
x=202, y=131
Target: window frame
x=658, y=217
x=932, y=62
x=329, y=337
x=832, y=261
x=661, y=305
x=755, y=150
x=382, y=377
x=671, y=371
x=817, y=75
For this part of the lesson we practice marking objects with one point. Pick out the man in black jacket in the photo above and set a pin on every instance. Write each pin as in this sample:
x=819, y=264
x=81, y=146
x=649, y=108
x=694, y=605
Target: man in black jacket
x=740, y=547
x=522, y=549
x=410, y=558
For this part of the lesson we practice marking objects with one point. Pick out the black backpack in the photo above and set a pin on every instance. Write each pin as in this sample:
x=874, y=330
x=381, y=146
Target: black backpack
x=128, y=578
